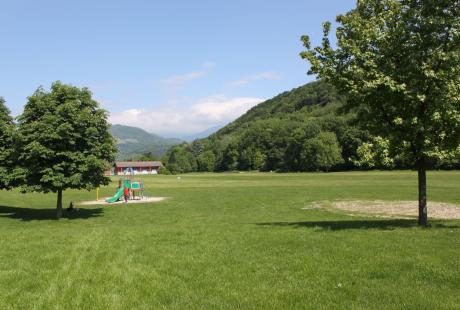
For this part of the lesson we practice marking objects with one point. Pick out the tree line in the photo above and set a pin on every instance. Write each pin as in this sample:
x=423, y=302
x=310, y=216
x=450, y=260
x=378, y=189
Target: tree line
x=305, y=129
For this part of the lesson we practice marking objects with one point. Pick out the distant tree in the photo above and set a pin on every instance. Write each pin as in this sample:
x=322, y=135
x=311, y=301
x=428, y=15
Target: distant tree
x=295, y=157
x=196, y=147
x=398, y=62
x=9, y=175
x=4, y=113
x=293, y=150
x=64, y=141
x=251, y=159
x=179, y=160
x=321, y=152
x=147, y=156
x=206, y=161
x=230, y=157
x=350, y=140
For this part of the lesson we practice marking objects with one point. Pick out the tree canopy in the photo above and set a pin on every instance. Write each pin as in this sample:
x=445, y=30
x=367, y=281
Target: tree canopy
x=7, y=132
x=64, y=141
x=398, y=62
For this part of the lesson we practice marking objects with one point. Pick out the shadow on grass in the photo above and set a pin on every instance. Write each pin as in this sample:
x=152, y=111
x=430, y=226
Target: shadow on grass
x=387, y=224
x=27, y=214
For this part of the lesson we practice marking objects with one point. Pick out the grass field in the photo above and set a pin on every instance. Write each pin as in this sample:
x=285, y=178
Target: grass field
x=232, y=241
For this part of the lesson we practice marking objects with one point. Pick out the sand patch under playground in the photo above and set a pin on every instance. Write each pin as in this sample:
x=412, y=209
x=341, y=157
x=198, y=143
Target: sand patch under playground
x=103, y=202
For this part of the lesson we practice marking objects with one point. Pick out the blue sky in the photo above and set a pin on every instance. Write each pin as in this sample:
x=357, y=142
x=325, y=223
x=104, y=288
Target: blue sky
x=171, y=67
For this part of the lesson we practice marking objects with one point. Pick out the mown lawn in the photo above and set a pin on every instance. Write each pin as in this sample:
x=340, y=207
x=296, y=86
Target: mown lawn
x=232, y=241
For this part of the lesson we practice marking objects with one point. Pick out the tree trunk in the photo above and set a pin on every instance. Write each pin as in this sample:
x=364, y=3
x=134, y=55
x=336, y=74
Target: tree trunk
x=59, y=205
x=422, y=210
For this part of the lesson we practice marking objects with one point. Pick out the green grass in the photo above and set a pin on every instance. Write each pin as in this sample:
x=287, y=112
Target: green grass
x=232, y=241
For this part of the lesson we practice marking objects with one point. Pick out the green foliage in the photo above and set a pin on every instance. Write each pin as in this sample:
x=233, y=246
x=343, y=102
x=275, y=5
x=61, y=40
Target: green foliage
x=147, y=156
x=321, y=152
x=206, y=161
x=180, y=160
x=398, y=61
x=272, y=135
x=5, y=117
x=399, y=64
x=64, y=140
x=9, y=174
x=230, y=157
x=375, y=154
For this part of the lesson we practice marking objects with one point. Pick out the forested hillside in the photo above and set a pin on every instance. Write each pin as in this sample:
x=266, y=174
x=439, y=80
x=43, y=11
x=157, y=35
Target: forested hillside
x=298, y=130
x=134, y=142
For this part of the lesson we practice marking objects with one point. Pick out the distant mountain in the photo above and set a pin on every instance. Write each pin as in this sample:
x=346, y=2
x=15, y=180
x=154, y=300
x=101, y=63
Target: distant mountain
x=203, y=134
x=133, y=141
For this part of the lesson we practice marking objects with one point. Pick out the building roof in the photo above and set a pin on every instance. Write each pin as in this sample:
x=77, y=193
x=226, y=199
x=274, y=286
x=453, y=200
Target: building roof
x=135, y=164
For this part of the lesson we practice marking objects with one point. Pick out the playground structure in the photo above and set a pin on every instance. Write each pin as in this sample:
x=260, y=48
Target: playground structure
x=136, y=188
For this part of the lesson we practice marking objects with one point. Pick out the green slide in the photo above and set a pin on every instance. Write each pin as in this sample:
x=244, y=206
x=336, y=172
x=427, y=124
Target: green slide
x=116, y=196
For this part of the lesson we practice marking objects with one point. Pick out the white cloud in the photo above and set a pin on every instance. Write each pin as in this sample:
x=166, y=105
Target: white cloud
x=220, y=109
x=268, y=75
x=179, y=80
x=209, y=65
x=180, y=121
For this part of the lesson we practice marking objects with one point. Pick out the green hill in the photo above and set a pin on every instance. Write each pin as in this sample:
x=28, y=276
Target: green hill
x=133, y=142
x=298, y=130
x=289, y=105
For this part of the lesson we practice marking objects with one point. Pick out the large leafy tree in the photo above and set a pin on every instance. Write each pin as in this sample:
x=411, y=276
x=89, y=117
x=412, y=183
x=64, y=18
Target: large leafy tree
x=399, y=63
x=64, y=141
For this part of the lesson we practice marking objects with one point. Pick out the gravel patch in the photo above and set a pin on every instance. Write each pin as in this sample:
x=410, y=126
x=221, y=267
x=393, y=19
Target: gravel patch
x=438, y=210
